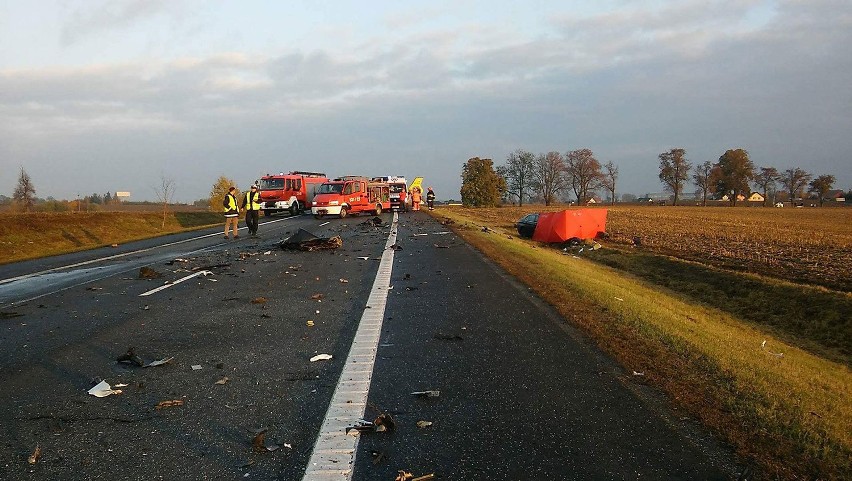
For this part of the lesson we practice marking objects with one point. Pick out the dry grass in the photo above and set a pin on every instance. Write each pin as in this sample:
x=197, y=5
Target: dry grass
x=792, y=413
x=30, y=236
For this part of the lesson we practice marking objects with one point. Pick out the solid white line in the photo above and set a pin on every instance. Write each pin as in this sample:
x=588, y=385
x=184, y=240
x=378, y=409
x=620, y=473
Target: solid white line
x=333, y=455
x=324, y=223
x=166, y=286
x=116, y=256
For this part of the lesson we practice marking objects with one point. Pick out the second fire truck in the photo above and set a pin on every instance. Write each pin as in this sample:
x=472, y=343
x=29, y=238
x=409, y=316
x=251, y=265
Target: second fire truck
x=351, y=195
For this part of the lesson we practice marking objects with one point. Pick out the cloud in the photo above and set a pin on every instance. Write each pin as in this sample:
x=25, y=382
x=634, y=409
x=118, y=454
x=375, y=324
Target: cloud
x=92, y=18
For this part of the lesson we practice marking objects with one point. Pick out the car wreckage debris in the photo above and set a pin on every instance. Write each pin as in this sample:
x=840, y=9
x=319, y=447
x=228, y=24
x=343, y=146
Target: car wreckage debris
x=306, y=241
x=432, y=393
x=148, y=273
x=103, y=389
x=34, y=457
x=406, y=476
x=130, y=357
x=168, y=404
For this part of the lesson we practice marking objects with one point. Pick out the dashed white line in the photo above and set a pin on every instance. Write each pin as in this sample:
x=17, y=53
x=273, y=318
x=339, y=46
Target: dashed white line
x=166, y=286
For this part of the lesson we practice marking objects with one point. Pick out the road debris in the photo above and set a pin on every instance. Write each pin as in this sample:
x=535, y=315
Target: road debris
x=148, y=273
x=776, y=354
x=321, y=357
x=306, y=241
x=35, y=455
x=93, y=288
x=161, y=362
x=424, y=424
x=342, y=281
x=361, y=426
x=309, y=323
x=197, y=367
x=406, y=476
x=130, y=357
x=259, y=300
x=384, y=422
x=433, y=393
x=316, y=297
x=440, y=246
x=169, y=404
x=222, y=382
x=103, y=389
x=378, y=457
x=395, y=247
x=635, y=373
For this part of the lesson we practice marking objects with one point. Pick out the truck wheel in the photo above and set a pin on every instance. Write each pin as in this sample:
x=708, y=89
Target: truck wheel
x=378, y=209
x=343, y=212
x=294, y=209
x=266, y=213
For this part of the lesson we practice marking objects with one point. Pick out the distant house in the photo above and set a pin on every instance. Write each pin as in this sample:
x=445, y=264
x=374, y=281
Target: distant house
x=835, y=196
x=594, y=199
x=645, y=200
x=756, y=197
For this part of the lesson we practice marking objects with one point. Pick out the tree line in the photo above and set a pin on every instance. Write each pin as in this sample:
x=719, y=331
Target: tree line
x=549, y=176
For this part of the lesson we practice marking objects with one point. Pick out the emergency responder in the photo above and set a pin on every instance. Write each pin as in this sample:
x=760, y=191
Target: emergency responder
x=430, y=199
x=415, y=198
x=251, y=203
x=232, y=212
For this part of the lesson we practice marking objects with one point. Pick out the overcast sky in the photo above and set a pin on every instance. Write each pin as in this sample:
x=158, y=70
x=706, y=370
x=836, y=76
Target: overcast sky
x=104, y=95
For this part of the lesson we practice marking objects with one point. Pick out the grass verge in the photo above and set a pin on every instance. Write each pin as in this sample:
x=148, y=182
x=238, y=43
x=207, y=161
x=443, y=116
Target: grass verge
x=34, y=235
x=790, y=413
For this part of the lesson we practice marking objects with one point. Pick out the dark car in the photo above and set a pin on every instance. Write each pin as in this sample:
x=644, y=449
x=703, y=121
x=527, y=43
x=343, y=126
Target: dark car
x=526, y=226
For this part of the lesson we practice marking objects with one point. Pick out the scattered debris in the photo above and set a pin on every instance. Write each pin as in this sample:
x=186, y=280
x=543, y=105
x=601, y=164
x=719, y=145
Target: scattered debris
x=433, y=393
x=169, y=404
x=378, y=457
x=258, y=443
x=321, y=357
x=267, y=253
x=310, y=323
x=171, y=262
x=160, y=362
x=103, y=389
x=421, y=234
x=148, y=273
x=35, y=455
x=361, y=426
x=638, y=373
x=316, y=297
x=439, y=246
x=130, y=357
x=375, y=221
x=222, y=382
x=114, y=245
x=406, y=476
x=424, y=424
x=305, y=241
x=384, y=422
x=343, y=281
x=776, y=354
x=121, y=385
x=93, y=288
x=9, y=315
x=259, y=300
x=447, y=222
x=197, y=367
x=396, y=247
x=364, y=258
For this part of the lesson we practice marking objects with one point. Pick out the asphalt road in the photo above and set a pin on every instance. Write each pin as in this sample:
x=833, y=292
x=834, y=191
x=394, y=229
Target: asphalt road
x=522, y=394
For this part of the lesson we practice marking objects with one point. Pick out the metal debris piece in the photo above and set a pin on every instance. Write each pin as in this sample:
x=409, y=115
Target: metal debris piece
x=160, y=362
x=169, y=404
x=406, y=476
x=384, y=422
x=361, y=426
x=103, y=389
x=321, y=357
x=223, y=381
x=197, y=367
x=130, y=357
x=306, y=241
x=35, y=455
x=432, y=393
x=424, y=424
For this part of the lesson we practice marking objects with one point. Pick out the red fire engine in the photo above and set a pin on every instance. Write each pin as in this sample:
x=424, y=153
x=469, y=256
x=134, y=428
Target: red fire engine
x=291, y=192
x=351, y=195
x=398, y=192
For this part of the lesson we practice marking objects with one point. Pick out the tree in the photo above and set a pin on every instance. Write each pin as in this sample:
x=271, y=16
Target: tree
x=519, y=174
x=549, y=176
x=481, y=186
x=627, y=198
x=734, y=174
x=165, y=192
x=795, y=180
x=107, y=198
x=703, y=179
x=584, y=173
x=765, y=180
x=24, y=195
x=610, y=175
x=821, y=185
x=674, y=170
x=217, y=193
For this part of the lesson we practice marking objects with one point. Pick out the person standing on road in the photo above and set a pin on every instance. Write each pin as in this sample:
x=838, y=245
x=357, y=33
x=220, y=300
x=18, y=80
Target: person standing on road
x=232, y=212
x=430, y=199
x=251, y=203
x=415, y=198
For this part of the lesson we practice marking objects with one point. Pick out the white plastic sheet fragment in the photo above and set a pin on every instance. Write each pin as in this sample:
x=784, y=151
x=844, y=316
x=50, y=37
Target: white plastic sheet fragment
x=159, y=363
x=321, y=357
x=103, y=389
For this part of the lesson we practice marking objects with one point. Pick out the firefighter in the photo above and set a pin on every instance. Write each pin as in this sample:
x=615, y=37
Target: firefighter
x=430, y=199
x=415, y=198
x=232, y=212
x=251, y=203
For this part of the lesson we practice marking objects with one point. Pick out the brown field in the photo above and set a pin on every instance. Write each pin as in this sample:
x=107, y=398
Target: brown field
x=810, y=245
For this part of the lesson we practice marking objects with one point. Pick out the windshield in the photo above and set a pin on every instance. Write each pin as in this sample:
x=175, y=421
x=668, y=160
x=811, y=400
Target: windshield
x=330, y=189
x=269, y=184
x=397, y=188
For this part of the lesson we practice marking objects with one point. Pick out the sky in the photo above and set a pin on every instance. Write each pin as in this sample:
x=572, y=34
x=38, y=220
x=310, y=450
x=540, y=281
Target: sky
x=101, y=96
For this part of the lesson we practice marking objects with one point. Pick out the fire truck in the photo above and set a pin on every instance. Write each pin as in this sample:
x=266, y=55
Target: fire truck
x=398, y=192
x=351, y=195
x=291, y=192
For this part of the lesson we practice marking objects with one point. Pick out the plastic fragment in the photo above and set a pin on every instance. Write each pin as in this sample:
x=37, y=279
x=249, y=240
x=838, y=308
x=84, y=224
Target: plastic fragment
x=223, y=381
x=103, y=389
x=424, y=424
x=160, y=362
x=321, y=357
x=35, y=455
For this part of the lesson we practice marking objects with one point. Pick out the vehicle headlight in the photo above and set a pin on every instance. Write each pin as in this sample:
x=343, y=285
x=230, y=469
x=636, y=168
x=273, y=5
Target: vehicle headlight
x=334, y=202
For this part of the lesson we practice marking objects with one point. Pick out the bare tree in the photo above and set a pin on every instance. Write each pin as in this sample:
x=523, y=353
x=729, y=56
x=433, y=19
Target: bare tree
x=765, y=180
x=610, y=175
x=519, y=174
x=795, y=180
x=549, y=176
x=703, y=179
x=165, y=194
x=584, y=173
x=674, y=170
x=24, y=194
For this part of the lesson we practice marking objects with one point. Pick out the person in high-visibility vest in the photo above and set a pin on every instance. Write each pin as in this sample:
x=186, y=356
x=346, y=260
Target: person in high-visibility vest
x=415, y=198
x=232, y=212
x=251, y=203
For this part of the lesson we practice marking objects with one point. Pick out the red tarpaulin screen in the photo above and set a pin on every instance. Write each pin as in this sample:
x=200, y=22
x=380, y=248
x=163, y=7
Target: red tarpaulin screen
x=567, y=224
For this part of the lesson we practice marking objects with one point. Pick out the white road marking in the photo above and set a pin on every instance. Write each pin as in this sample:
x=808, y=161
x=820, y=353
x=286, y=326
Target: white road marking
x=166, y=286
x=117, y=256
x=333, y=455
x=324, y=223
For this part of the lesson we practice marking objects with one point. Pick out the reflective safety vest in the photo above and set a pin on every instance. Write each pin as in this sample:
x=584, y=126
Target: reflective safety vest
x=230, y=206
x=251, y=201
